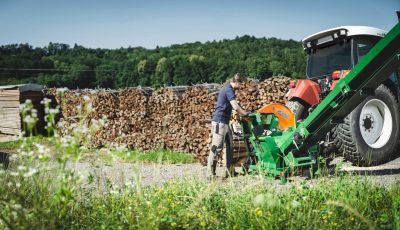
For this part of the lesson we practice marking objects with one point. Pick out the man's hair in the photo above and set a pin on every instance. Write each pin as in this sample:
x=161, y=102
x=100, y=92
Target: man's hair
x=238, y=78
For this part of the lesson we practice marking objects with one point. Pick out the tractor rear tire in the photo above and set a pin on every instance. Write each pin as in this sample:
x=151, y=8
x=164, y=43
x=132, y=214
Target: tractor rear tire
x=370, y=133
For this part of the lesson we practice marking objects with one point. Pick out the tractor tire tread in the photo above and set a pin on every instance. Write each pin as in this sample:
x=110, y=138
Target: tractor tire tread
x=347, y=142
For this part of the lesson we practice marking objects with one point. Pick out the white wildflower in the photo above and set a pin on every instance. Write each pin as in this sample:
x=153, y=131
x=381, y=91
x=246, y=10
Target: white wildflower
x=45, y=101
x=31, y=172
x=61, y=90
x=113, y=192
x=41, y=148
x=54, y=111
x=21, y=168
x=259, y=199
x=34, y=112
x=295, y=204
x=86, y=98
x=89, y=107
x=28, y=119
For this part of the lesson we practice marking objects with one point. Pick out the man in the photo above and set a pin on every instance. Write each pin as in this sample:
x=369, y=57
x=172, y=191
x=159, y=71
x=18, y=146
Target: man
x=220, y=124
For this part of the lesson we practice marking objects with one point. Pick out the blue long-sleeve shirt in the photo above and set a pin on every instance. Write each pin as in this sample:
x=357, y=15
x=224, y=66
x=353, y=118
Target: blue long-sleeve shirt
x=223, y=109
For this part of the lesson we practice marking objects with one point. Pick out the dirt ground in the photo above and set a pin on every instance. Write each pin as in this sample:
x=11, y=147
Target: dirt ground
x=149, y=174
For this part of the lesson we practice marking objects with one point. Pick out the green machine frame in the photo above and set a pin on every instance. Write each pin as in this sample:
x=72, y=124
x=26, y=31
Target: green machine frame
x=276, y=152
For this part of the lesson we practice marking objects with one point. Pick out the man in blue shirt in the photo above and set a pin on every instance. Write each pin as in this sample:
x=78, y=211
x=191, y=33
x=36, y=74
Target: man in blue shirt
x=220, y=124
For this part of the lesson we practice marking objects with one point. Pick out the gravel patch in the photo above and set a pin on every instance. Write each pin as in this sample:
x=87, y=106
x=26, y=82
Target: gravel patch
x=156, y=174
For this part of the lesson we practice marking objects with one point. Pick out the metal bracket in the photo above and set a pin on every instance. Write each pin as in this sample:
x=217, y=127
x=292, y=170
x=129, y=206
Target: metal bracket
x=333, y=104
x=345, y=88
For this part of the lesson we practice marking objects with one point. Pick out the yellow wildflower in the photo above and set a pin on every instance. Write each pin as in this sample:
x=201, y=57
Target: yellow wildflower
x=259, y=212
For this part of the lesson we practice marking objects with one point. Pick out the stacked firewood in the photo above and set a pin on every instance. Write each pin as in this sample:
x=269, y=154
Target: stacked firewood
x=165, y=115
x=199, y=104
x=132, y=119
x=247, y=95
x=102, y=105
x=273, y=90
x=176, y=118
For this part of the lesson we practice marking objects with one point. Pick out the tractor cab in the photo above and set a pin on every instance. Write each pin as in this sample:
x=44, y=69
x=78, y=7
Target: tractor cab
x=331, y=54
x=338, y=49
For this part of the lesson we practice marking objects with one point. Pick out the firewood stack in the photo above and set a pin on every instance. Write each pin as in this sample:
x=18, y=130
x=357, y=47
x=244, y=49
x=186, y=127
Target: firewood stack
x=165, y=112
x=176, y=118
x=247, y=95
x=199, y=104
x=133, y=113
x=273, y=90
x=104, y=105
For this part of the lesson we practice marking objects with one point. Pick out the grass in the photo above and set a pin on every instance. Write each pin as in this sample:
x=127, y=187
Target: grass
x=162, y=156
x=15, y=144
x=108, y=155
x=345, y=202
x=155, y=156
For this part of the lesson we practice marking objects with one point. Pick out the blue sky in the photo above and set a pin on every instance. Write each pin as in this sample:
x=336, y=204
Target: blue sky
x=148, y=23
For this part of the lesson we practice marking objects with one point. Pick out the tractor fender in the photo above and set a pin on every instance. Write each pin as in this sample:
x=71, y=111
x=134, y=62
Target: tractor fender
x=307, y=90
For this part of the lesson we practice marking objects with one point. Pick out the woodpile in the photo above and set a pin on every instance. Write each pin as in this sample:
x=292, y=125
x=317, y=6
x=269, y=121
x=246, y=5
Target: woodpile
x=132, y=118
x=176, y=118
x=199, y=104
x=247, y=95
x=273, y=90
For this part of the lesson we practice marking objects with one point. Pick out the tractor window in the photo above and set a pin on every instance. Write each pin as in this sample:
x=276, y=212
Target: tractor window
x=324, y=60
x=364, y=44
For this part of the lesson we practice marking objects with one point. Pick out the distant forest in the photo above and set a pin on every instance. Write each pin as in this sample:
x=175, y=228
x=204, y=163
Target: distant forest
x=78, y=67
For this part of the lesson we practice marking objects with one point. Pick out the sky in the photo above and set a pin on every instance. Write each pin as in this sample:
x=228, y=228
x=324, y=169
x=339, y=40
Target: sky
x=150, y=23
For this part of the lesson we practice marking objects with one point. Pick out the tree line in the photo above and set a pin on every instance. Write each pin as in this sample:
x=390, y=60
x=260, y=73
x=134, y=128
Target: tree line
x=61, y=65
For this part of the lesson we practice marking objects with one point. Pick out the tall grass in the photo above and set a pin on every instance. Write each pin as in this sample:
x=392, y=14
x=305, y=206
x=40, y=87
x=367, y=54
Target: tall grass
x=41, y=191
x=42, y=201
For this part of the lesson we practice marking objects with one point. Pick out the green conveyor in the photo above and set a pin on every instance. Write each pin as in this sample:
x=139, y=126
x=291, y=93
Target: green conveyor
x=277, y=152
x=382, y=60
